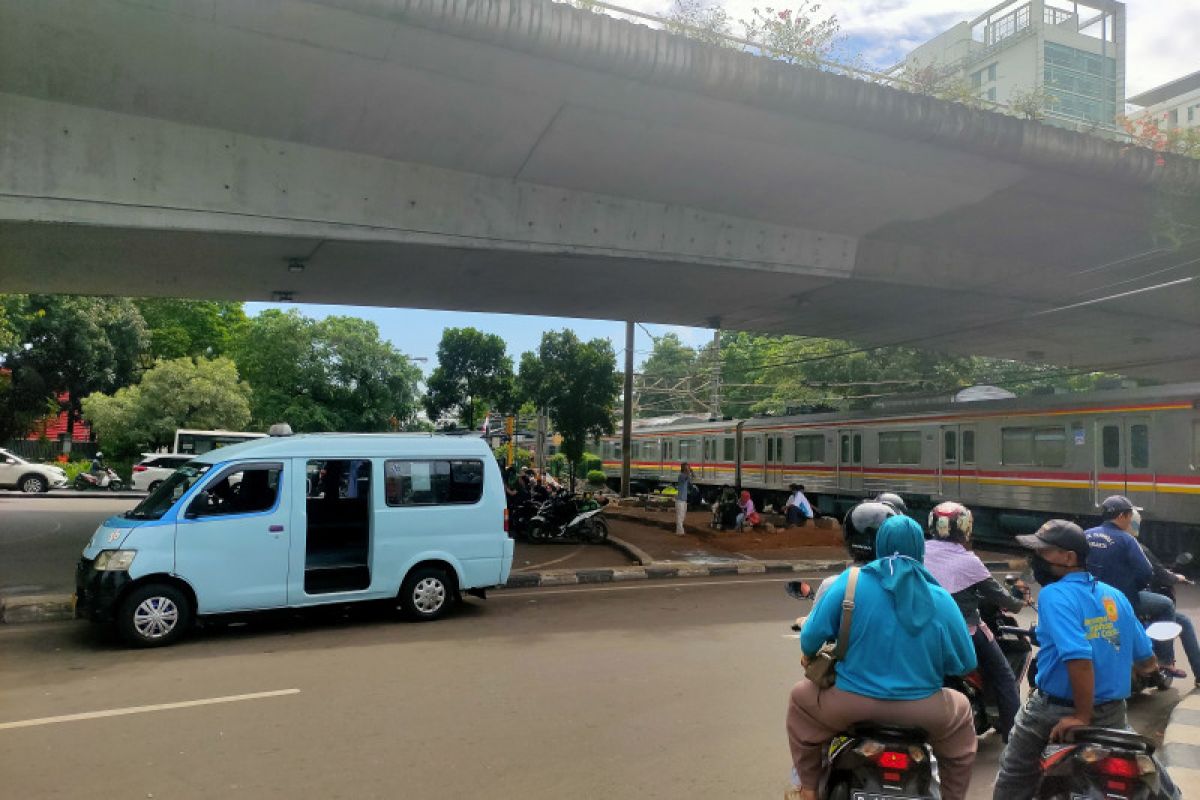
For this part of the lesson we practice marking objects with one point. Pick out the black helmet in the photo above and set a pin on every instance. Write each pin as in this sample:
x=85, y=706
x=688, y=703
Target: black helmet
x=894, y=500
x=860, y=526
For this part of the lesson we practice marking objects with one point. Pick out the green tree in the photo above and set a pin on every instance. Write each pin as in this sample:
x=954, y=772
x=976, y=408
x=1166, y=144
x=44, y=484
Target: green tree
x=670, y=381
x=181, y=328
x=704, y=20
x=577, y=383
x=71, y=346
x=331, y=375
x=473, y=375
x=180, y=393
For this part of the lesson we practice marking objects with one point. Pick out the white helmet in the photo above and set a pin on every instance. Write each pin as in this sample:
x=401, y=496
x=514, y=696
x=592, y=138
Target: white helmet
x=950, y=518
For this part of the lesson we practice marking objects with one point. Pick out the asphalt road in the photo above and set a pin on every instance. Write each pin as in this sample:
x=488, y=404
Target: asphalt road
x=41, y=538
x=654, y=689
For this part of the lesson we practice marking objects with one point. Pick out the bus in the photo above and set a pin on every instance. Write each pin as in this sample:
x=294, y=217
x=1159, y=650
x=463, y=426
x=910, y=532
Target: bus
x=195, y=443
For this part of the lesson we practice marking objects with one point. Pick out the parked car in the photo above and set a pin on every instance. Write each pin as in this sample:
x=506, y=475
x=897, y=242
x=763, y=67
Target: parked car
x=17, y=473
x=154, y=468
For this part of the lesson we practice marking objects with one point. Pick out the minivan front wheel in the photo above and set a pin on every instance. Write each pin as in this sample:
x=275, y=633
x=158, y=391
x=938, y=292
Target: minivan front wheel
x=426, y=594
x=153, y=615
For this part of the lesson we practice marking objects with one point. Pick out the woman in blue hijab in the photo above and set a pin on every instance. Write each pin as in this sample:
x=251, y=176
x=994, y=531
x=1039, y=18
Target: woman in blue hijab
x=906, y=635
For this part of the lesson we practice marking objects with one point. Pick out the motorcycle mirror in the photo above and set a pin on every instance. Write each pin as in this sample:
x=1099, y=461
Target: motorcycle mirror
x=800, y=590
x=1183, y=559
x=1163, y=631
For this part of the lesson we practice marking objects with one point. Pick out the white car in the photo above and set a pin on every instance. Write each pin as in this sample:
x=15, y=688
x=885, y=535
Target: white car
x=17, y=473
x=154, y=468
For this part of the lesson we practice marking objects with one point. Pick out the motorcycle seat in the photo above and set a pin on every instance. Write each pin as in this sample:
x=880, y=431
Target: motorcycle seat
x=877, y=730
x=1111, y=737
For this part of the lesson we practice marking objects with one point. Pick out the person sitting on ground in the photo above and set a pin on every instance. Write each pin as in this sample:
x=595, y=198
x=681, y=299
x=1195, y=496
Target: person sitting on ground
x=963, y=575
x=798, y=510
x=901, y=614
x=725, y=509
x=747, y=514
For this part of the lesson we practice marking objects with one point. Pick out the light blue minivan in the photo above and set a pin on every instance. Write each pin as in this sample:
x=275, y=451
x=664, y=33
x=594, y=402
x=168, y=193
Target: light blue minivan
x=294, y=521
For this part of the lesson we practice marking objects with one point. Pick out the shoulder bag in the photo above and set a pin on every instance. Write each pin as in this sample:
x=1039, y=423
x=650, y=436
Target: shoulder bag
x=822, y=668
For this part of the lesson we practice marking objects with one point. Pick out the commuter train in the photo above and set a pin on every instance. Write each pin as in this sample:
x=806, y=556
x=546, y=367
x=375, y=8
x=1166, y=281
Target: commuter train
x=1015, y=462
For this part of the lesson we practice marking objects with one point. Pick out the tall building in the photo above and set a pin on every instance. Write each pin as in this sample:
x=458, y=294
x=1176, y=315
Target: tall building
x=1176, y=103
x=1074, y=50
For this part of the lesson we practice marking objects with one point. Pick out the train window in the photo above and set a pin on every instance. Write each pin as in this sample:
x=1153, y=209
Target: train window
x=810, y=449
x=727, y=448
x=770, y=448
x=1016, y=445
x=1042, y=447
x=858, y=448
x=1110, y=446
x=1139, y=446
x=845, y=448
x=968, y=447
x=900, y=447
x=950, y=449
x=750, y=449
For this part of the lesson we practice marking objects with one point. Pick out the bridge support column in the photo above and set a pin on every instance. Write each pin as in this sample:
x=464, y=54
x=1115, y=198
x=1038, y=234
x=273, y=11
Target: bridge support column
x=627, y=422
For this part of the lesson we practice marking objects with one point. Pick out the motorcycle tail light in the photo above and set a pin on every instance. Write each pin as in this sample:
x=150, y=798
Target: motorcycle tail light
x=975, y=679
x=1146, y=765
x=1118, y=767
x=1117, y=786
x=891, y=777
x=891, y=759
x=917, y=754
x=870, y=749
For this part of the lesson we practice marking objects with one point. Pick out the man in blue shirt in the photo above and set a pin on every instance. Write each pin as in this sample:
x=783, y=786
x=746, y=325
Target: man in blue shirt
x=906, y=634
x=1116, y=558
x=1090, y=641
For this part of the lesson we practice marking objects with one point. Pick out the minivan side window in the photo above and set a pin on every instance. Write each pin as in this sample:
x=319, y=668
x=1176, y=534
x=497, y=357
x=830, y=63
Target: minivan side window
x=242, y=489
x=432, y=482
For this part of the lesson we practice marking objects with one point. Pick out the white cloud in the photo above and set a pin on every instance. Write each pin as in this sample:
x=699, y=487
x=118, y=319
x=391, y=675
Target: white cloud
x=1161, y=34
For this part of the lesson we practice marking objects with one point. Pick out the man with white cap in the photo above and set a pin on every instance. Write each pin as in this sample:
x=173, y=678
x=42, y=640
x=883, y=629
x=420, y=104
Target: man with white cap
x=1090, y=640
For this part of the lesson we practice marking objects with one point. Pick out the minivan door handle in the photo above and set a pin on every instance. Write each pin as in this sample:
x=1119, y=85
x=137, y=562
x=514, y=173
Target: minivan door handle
x=275, y=529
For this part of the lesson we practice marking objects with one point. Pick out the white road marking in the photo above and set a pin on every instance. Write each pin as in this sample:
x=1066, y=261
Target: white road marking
x=571, y=554
x=639, y=587
x=120, y=712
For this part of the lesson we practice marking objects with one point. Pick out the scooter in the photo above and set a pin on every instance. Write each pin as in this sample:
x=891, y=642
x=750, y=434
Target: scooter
x=1103, y=764
x=874, y=761
x=108, y=479
x=585, y=526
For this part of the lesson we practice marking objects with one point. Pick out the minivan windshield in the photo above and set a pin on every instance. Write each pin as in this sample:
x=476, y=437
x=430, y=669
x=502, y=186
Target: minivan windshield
x=170, y=490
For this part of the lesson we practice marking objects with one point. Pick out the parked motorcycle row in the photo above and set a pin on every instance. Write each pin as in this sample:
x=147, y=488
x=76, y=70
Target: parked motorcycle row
x=564, y=516
x=885, y=761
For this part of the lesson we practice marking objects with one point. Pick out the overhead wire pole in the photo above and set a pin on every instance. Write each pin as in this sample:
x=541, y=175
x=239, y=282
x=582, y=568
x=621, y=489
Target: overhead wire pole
x=627, y=420
x=716, y=376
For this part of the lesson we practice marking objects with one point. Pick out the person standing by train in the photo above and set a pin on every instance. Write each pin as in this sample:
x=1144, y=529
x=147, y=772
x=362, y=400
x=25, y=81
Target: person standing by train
x=683, y=490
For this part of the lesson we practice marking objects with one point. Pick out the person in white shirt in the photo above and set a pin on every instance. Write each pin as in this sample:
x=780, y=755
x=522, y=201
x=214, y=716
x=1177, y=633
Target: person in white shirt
x=798, y=509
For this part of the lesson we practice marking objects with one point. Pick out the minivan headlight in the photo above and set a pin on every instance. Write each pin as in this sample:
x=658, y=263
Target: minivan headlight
x=115, y=560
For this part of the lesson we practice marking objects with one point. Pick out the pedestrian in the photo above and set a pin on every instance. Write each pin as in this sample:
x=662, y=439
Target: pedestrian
x=901, y=614
x=1090, y=641
x=683, y=488
x=747, y=515
x=970, y=583
x=798, y=510
x=1116, y=558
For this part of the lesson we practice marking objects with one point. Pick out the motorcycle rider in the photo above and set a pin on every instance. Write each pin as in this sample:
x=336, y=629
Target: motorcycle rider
x=969, y=582
x=1165, y=577
x=900, y=611
x=894, y=500
x=1090, y=642
x=98, y=467
x=1117, y=559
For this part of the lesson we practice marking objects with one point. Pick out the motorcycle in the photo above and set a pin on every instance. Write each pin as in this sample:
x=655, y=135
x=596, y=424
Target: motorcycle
x=108, y=479
x=562, y=519
x=1102, y=763
x=874, y=760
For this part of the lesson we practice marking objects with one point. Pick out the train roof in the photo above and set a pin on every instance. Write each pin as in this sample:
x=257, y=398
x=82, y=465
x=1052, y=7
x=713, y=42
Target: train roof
x=933, y=408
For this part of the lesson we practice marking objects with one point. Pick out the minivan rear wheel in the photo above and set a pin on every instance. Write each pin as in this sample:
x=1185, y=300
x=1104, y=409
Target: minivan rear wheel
x=426, y=594
x=153, y=615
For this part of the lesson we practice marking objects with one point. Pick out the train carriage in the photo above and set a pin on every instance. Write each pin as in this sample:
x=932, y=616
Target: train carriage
x=1014, y=461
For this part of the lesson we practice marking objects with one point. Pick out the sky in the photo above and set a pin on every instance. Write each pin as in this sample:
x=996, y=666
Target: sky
x=1161, y=47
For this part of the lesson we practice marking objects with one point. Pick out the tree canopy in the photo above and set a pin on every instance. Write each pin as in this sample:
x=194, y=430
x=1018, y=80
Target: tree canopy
x=180, y=328
x=577, y=383
x=474, y=375
x=179, y=393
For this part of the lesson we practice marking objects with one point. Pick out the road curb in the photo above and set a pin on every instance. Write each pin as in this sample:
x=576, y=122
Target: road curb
x=71, y=494
x=1181, y=746
x=23, y=608
x=665, y=570
x=634, y=552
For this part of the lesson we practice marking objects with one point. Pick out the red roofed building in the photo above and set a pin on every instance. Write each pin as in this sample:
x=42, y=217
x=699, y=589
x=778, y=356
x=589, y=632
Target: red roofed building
x=54, y=428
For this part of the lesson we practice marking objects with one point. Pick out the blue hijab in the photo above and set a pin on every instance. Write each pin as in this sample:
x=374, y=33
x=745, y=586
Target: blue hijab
x=899, y=565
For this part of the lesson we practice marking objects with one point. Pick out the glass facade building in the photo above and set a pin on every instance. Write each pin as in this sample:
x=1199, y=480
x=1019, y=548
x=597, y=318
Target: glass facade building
x=1083, y=84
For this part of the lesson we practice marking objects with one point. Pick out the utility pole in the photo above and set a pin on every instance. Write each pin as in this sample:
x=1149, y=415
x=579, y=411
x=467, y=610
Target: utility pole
x=715, y=412
x=627, y=422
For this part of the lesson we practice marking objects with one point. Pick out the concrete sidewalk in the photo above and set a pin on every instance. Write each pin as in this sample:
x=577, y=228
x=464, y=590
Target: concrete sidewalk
x=61, y=494
x=1181, y=746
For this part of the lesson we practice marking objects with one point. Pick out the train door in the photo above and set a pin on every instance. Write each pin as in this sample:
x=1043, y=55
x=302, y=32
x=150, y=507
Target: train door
x=710, y=457
x=773, y=473
x=958, y=476
x=850, y=471
x=753, y=459
x=1122, y=460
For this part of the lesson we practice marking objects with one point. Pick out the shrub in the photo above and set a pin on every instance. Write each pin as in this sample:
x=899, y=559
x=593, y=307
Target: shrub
x=558, y=465
x=591, y=463
x=596, y=477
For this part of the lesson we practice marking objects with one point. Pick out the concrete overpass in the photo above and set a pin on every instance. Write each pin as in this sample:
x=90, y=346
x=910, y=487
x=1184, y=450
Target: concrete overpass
x=523, y=156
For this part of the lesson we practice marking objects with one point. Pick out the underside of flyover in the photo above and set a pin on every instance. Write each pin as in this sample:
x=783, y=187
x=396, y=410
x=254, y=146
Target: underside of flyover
x=522, y=156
